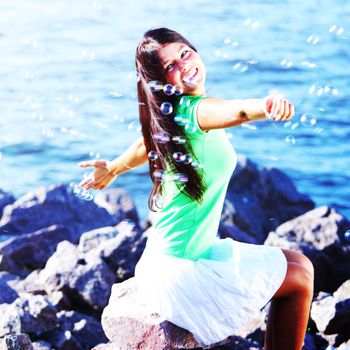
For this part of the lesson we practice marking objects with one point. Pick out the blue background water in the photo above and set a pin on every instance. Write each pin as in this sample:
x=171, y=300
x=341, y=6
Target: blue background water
x=68, y=90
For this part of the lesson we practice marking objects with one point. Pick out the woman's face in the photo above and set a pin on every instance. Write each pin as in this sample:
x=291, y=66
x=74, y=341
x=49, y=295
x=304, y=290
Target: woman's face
x=183, y=67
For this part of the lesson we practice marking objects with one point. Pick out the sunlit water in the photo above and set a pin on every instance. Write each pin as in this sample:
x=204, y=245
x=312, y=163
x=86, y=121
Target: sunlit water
x=68, y=86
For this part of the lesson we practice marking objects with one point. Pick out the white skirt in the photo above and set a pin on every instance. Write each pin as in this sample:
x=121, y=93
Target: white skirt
x=212, y=298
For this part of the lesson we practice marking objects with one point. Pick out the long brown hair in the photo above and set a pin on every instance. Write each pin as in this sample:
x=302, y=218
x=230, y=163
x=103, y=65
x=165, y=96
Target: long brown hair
x=154, y=123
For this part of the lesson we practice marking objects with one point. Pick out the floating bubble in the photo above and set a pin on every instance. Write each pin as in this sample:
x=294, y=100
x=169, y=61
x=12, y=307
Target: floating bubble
x=290, y=140
x=188, y=159
x=152, y=155
x=340, y=30
x=169, y=89
x=80, y=192
x=320, y=91
x=190, y=129
x=307, y=120
x=178, y=90
x=178, y=157
x=93, y=154
x=335, y=91
x=294, y=126
x=155, y=85
x=179, y=140
x=161, y=137
x=318, y=130
x=184, y=102
x=166, y=108
x=287, y=124
x=0, y=155
x=181, y=177
x=227, y=41
x=332, y=28
x=158, y=175
x=347, y=235
x=312, y=89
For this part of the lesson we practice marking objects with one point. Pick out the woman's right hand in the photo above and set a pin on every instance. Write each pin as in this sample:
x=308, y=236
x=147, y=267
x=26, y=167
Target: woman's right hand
x=100, y=178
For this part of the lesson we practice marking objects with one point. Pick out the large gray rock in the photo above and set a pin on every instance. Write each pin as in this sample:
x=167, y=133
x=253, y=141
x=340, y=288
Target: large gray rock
x=331, y=313
x=76, y=331
x=53, y=205
x=32, y=314
x=27, y=252
x=84, y=279
x=120, y=247
x=261, y=199
x=17, y=341
x=319, y=234
x=128, y=324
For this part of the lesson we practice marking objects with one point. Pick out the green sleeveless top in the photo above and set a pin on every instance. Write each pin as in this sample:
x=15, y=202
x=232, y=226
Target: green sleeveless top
x=185, y=228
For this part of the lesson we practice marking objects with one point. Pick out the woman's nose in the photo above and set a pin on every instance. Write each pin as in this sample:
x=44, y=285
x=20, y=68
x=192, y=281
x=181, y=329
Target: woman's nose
x=183, y=66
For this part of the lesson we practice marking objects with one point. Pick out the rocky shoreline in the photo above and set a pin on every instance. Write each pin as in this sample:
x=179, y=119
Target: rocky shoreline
x=65, y=254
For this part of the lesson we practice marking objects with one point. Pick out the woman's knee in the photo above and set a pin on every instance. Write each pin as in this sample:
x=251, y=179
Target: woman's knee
x=299, y=280
x=296, y=257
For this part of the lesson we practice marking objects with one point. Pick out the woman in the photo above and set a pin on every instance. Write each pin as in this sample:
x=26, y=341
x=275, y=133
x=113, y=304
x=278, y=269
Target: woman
x=211, y=287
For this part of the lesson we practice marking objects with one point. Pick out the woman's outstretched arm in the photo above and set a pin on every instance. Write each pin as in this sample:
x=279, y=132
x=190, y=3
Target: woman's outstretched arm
x=107, y=171
x=216, y=113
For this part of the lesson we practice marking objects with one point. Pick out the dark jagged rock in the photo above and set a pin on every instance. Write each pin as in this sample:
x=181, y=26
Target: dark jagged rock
x=85, y=279
x=7, y=293
x=261, y=199
x=41, y=345
x=54, y=205
x=120, y=247
x=25, y=253
x=27, y=314
x=5, y=199
x=17, y=341
x=76, y=331
x=319, y=234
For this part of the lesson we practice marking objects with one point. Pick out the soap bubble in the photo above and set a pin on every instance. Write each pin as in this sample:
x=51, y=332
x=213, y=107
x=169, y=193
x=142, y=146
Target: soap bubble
x=166, y=108
x=178, y=157
x=184, y=102
x=80, y=192
x=307, y=120
x=161, y=137
x=178, y=90
x=290, y=140
x=158, y=175
x=179, y=140
x=181, y=177
x=155, y=85
x=169, y=89
x=93, y=154
x=187, y=159
x=347, y=235
x=152, y=155
x=190, y=129
x=181, y=120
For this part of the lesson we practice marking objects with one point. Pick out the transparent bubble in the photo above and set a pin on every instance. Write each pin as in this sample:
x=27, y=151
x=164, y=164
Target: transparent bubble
x=332, y=28
x=158, y=175
x=0, y=155
x=318, y=130
x=178, y=157
x=184, y=102
x=155, y=85
x=290, y=140
x=308, y=120
x=320, y=91
x=287, y=124
x=190, y=129
x=181, y=120
x=169, y=89
x=335, y=91
x=161, y=137
x=196, y=164
x=340, y=30
x=347, y=235
x=179, y=140
x=166, y=108
x=93, y=154
x=80, y=192
x=181, y=177
x=188, y=159
x=152, y=155
x=294, y=126
x=178, y=90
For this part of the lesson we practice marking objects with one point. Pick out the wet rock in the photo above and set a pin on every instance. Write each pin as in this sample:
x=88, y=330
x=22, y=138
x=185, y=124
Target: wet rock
x=41, y=345
x=331, y=314
x=6, y=198
x=319, y=234
x=7, y=293
x=261, y=199
x=120, y=247
x=54, y=205
x=27, y=314
x=85, y=279
x=17, y=341
x=76, y=331
x=27, y=252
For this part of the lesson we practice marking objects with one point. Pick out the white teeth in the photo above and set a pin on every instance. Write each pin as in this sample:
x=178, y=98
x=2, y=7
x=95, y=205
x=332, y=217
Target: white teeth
x=188, y=78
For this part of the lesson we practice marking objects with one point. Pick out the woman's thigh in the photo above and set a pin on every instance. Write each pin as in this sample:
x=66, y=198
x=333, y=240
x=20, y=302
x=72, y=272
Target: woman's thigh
x=296, y=257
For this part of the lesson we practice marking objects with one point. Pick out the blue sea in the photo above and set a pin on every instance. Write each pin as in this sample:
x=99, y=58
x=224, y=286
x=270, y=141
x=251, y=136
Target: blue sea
x=68, y=86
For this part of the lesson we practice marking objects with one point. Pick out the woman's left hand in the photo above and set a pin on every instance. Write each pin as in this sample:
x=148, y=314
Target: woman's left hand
x=278, y=108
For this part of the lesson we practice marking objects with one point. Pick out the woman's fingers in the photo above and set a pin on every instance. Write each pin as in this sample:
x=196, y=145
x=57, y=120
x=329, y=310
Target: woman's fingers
x=87, y=181
x=98, y=163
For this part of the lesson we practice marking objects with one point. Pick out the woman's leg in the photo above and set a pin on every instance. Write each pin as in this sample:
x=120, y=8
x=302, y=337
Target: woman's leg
x=290, y=306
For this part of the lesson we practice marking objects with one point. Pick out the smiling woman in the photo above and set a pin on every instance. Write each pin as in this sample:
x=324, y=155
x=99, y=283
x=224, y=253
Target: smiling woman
x=186, y=273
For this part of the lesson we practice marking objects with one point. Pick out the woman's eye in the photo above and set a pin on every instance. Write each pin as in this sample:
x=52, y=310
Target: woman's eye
x=184, y=53
x=168, y=67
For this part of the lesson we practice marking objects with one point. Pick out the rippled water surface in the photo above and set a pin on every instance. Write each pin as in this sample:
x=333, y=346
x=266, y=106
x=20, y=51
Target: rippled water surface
x=68, y=87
